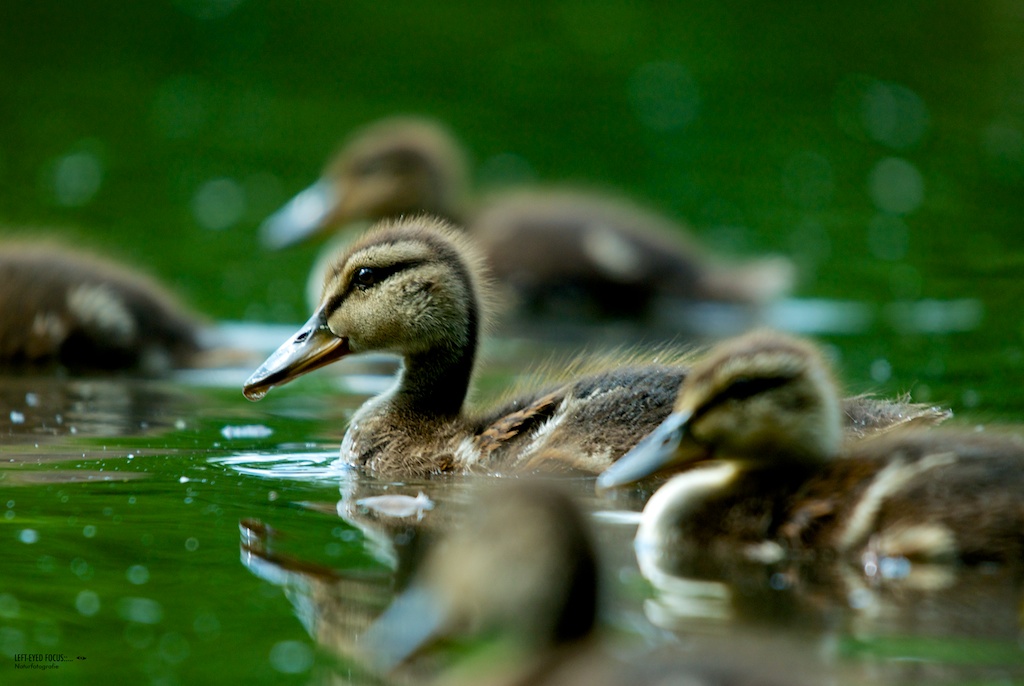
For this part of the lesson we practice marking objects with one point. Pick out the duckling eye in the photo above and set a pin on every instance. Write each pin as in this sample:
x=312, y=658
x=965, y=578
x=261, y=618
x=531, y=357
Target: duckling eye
x=365, y=277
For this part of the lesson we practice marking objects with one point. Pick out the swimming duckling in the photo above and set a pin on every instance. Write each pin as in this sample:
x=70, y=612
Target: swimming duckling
x=759, y=423
x=537, y=590
x=416, y=288
x=555, y=249
x=62, y=307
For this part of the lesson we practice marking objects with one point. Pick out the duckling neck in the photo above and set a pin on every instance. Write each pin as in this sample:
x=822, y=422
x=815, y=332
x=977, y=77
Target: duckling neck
x=433, y=386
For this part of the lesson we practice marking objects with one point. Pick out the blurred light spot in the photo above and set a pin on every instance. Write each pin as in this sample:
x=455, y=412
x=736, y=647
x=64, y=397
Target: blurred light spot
x=81, y=568
x=207, y=9
x=664, y=96
x=219, y=204
x=506, y=169
x=89, y=531
x=87, y=603
x=192, y=544
x=970, y=398
x=140, y=610
x=807, y=180
x=861, y=598
x=1003, y=145
x=206, y=625
x=896, y=186
x=935, y=316
x=46, y=564
x=881, y=370
x=137, y=574
x=32, y=400
x=180, y=107
x=888, y=113
x=894, y=567
x=9, y=606
x=247, y=431
x=894, y=115
x=17, y=417
x=888, y=237
x=291, y=657
x=77, y=177
x=174, y=648
x=28, y=536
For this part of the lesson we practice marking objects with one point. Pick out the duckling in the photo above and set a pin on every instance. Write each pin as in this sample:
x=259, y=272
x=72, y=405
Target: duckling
x=417, y=288
x=537, y=591
x=771, y=471
x=554, y=249
x=59, y=306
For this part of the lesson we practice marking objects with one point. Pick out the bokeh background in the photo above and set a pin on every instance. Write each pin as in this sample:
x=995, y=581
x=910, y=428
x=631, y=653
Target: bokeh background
x=880, y=145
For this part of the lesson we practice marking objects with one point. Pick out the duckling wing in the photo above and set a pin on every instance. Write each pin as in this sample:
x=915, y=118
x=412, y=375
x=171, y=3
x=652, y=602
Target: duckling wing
x=866, y=414
x=922, y=494
x=599, y=418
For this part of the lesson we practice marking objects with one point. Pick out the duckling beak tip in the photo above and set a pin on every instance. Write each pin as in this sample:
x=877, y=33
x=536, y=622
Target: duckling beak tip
x=314, y=346
x=301, y=217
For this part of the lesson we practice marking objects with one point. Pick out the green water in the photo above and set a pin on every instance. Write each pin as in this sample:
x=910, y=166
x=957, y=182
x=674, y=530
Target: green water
x=880, y=146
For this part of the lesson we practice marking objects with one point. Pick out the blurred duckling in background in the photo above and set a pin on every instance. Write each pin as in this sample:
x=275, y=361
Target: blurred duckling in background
x=60, y=307
x=561, y=252
x=417, y=288
x=524, y=570
x=759, y=424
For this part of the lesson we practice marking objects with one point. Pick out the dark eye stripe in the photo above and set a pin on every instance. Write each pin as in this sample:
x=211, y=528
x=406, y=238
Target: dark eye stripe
x=743, y=388
x=376, y=276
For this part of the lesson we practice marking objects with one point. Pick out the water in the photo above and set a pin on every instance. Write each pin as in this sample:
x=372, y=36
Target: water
x=172, y=532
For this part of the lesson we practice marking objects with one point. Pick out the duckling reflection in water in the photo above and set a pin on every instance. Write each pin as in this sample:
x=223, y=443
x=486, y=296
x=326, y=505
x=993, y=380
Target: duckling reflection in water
x=59, y=307
x=523, y=570
x=759, y=424
x=563, y=252
x=416, y=288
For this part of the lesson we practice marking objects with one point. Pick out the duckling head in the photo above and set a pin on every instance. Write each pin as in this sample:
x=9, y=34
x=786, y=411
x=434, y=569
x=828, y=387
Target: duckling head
x=413, y=287
x=523, y=566
x=397, y=166
x=761, y=398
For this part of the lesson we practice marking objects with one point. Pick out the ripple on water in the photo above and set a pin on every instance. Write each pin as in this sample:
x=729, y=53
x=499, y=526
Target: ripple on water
x=312, y=466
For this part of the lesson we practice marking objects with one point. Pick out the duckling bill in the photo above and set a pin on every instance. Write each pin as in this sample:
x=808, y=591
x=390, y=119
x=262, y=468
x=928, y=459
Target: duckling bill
x=758, y=424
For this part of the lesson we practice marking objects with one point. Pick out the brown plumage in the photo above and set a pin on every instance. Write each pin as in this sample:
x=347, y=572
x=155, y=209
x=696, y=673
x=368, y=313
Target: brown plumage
x=417, y=288
x=523, y=569
x=569, y=252
x=86, y=313
x=770, y=469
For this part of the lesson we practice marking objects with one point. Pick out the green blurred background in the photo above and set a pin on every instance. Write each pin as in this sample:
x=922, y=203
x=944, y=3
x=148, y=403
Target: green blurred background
x=879, y=144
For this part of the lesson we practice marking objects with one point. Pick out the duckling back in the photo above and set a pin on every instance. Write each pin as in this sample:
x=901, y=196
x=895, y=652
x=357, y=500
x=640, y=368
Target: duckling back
x=59, y=307
x=932, y=494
